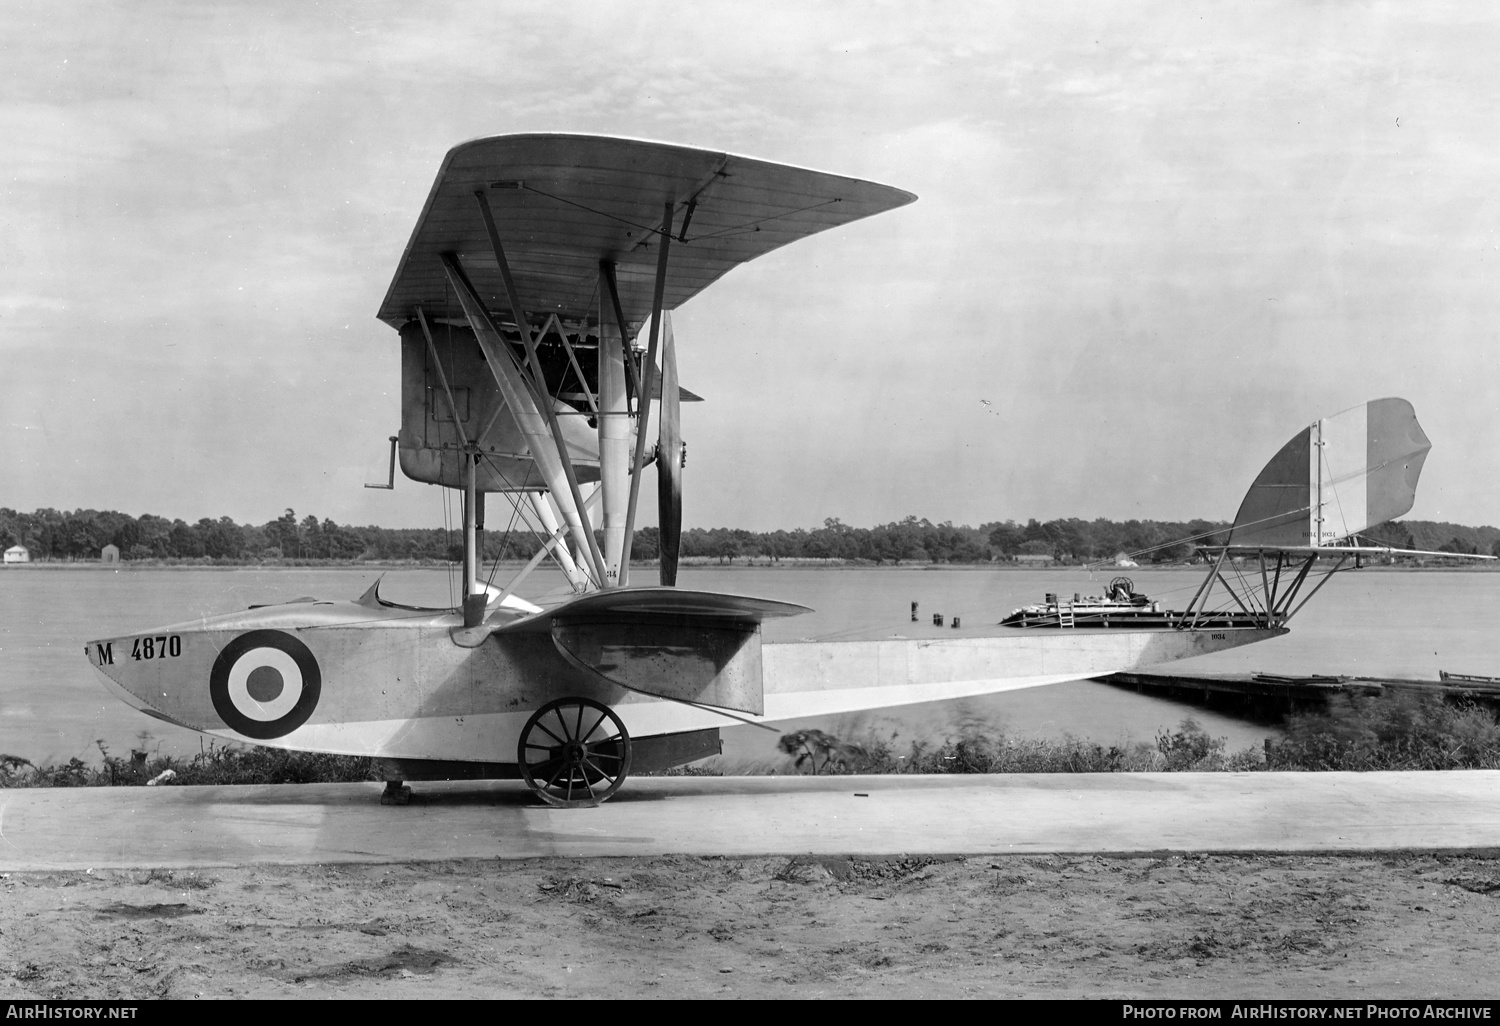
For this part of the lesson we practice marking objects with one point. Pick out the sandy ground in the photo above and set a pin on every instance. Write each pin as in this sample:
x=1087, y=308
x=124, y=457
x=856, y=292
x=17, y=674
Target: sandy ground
x=1170, y=926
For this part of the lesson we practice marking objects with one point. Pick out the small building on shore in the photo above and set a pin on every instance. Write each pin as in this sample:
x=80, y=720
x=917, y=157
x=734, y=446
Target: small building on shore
x=18, y=554
x=109, y=554
x=1035, y=558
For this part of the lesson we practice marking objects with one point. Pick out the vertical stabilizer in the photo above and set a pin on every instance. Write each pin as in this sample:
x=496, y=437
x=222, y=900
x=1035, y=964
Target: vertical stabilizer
x=1339, y=476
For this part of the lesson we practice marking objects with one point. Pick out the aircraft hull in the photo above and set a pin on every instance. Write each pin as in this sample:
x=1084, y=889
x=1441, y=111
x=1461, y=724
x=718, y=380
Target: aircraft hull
x=392, y=683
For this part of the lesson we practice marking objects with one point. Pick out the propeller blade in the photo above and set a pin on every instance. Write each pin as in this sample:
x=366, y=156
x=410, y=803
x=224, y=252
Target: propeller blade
x=669, y=459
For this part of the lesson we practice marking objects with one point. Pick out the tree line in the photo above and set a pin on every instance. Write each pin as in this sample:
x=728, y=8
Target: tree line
x=51, y=534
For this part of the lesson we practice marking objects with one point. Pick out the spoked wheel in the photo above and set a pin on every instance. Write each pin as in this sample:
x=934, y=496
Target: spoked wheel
x=574, y=753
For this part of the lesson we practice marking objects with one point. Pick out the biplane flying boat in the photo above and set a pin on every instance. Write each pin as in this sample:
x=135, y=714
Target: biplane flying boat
x=534, y=269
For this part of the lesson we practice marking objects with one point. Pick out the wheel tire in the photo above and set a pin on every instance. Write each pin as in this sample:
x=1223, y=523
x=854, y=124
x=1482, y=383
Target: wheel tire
x=574, y=753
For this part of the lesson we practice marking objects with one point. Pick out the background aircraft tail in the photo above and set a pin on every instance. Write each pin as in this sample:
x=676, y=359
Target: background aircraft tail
x=1338, y=476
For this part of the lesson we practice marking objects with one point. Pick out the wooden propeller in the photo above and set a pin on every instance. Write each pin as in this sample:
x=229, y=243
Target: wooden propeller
x=669, y=460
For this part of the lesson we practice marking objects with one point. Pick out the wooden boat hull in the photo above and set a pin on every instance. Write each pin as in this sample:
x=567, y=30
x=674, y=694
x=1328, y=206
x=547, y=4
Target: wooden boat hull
x=393, y=684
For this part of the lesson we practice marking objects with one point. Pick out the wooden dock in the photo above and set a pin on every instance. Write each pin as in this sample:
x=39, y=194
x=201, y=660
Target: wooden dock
x=1265, y=695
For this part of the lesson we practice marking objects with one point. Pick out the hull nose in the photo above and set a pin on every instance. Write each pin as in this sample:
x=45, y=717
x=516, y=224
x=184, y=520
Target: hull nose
x=134, y=677
x=101, y=655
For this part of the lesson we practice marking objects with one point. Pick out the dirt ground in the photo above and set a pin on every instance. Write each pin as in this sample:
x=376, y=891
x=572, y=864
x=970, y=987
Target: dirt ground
x=1210, y=926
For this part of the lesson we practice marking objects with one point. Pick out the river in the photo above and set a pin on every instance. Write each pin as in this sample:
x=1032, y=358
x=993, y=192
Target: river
x=1372, y=621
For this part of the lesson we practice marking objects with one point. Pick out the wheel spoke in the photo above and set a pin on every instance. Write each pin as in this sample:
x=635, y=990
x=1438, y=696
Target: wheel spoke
x=578, y=734
x=543, y=728
x=562, y=722
x=585, y=737
x=553, y=779
x=607, y=755
x=599, y=770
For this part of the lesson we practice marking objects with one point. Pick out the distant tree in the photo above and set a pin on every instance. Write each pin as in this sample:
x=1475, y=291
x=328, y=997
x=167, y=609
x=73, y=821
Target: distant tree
x=1006, y=538
x=183, y=541
x=282, y=532
x=1392, y=534
x=646, y=544
x=310, y=537
x=222, y=538
x=84, y=534
x=154, y=534
x=339, y=542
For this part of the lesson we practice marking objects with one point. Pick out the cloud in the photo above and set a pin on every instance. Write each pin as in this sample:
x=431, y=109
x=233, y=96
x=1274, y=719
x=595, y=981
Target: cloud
x=1145, y=229
x=12, y=304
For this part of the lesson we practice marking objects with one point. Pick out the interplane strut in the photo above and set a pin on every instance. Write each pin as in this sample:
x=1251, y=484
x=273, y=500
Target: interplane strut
x=517, y=394
x=582, y=530
x=648, y=385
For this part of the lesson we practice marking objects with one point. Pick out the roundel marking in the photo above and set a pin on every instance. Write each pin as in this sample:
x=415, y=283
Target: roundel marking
x=265, y=684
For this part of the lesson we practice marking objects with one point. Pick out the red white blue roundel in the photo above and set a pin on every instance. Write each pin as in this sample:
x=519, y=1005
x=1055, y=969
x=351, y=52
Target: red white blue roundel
x=265, y=684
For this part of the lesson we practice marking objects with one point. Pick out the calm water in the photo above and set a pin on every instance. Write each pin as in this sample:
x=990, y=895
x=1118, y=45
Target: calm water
x=1370, y=622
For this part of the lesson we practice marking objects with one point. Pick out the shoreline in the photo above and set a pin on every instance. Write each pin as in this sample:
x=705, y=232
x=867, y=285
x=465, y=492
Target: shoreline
x=134, y=566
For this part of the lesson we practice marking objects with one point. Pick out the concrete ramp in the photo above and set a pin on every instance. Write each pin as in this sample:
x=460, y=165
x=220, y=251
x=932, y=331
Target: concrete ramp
x=173, y=827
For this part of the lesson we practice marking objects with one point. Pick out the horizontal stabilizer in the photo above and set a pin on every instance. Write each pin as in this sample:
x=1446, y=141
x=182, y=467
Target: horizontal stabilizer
x=1356, y=550
x=1339, y=476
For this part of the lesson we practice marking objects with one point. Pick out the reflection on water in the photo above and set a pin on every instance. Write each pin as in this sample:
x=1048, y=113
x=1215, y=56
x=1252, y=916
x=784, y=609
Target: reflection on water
x=1368, y=622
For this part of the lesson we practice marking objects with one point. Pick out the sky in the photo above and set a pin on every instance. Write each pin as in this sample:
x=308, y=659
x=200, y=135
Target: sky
x=1152, y=242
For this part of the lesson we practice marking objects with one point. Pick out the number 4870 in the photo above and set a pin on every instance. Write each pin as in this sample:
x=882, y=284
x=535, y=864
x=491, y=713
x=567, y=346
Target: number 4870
x=159, y=647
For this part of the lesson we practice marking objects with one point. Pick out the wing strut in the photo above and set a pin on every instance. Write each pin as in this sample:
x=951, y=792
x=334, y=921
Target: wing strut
x=607, y=268
x=516, y=390
x=437, y=366
x=647, y=387
x=536, y=502
x=613, y=429
x=473, y=510
x=582, y=530
x=553, y=324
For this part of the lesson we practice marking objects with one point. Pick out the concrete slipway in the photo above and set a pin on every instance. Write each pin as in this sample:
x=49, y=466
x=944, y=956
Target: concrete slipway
x=75, y=829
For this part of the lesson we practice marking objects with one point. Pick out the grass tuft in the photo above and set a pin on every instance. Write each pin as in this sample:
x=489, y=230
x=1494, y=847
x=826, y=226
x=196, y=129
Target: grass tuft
x=1395, y=731
x=216, y=764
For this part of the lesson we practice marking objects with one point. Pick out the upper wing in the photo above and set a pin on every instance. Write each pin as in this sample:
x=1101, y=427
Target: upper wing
x=563, y=203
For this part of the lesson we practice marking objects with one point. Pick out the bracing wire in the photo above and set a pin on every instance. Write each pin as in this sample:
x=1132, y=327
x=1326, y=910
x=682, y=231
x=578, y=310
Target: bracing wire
x=448, y=538
x=514, y=489
x=1337, y=502
x=1199, y=538
x=515, y=514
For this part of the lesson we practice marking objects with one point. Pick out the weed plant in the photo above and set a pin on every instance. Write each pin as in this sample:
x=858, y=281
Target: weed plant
x=980, y=750
x=215, y=764
x=1395, y=731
